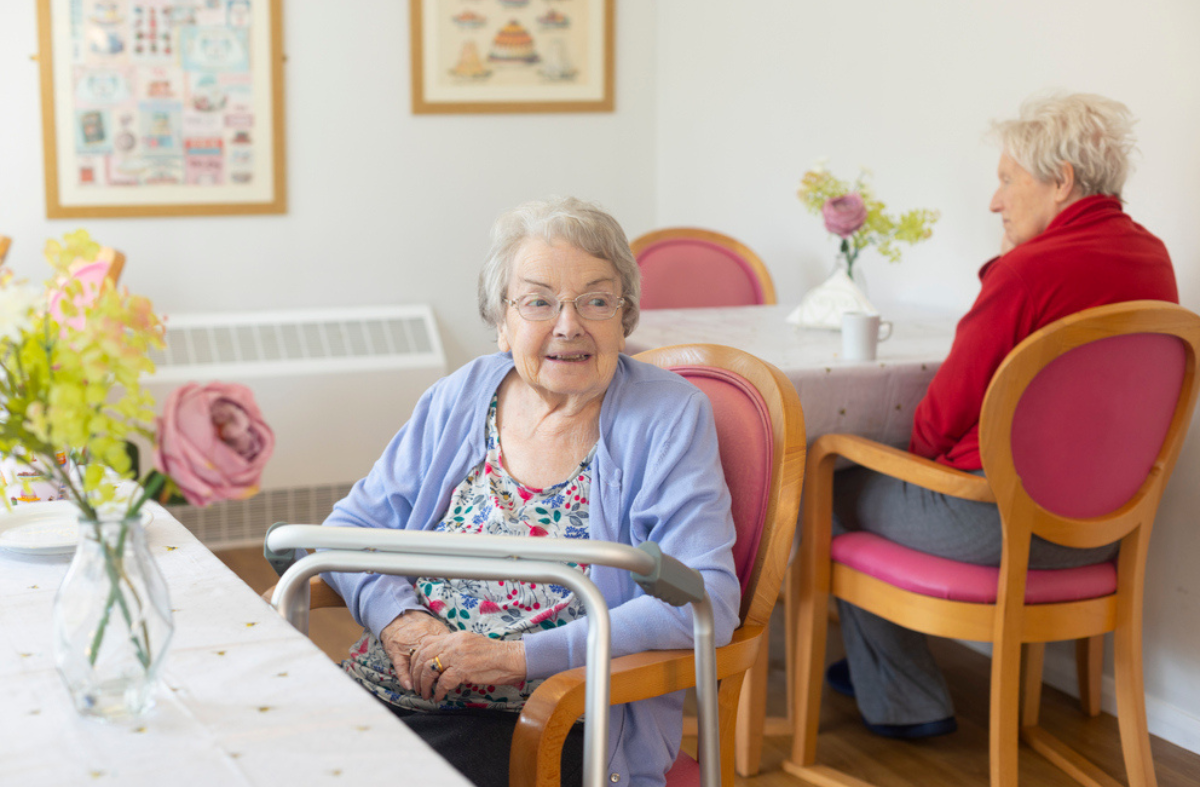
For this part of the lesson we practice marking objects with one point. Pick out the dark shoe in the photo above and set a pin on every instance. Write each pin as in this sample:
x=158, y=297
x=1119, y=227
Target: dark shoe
x=837, y=675
x=927, y=729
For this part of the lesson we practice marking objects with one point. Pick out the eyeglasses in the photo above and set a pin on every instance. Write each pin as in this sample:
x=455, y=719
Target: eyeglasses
x=589, y=306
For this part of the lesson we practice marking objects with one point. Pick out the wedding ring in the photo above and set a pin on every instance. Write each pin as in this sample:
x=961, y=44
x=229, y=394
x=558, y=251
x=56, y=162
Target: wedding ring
x=436, y=665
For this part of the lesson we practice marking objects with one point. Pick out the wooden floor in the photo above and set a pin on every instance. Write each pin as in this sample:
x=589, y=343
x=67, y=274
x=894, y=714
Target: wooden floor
x=956, y=760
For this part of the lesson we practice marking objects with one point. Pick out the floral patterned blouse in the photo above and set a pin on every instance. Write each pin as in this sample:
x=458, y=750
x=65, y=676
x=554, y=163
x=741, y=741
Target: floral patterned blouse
x=492, y=502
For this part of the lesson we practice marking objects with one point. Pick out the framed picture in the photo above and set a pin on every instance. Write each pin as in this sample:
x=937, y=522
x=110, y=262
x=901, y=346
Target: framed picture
x=512, y=56
x=162, y=108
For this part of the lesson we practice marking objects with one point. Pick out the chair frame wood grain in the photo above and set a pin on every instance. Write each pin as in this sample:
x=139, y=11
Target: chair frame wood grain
x=1018, y=632
x=643, y=242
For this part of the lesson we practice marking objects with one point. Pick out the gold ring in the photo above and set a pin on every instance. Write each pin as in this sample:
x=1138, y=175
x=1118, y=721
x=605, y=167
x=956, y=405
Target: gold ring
x=437, y=664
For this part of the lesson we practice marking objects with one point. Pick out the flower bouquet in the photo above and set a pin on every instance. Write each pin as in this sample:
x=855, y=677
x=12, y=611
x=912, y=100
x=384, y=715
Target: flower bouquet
x=853, y=213
x=73, y=354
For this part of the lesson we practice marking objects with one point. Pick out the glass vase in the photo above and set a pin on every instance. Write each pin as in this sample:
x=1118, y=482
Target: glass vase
x=112, y=621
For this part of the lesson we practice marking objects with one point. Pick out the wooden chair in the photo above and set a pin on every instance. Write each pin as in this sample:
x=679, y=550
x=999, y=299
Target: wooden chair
x=1080, y=429
x=760, y=428
x=686, y=267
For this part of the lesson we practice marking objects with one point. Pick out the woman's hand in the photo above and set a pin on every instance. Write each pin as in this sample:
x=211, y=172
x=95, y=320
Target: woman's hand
x=465, y=657
x=401, y=637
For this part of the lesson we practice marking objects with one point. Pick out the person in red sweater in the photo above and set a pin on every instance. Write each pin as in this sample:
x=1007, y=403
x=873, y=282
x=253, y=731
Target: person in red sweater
x=1068, y=246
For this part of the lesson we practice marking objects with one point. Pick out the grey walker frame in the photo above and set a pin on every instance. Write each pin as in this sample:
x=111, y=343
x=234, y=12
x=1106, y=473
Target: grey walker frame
x=423, y=553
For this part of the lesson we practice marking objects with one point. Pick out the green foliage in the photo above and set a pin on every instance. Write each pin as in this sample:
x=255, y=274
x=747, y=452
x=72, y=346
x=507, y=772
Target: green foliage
x=76, y=388
x=880, y=229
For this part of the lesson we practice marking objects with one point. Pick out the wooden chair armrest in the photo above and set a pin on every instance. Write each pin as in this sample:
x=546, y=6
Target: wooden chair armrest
x=559, y=701
x=896, y=463
x=321, y=595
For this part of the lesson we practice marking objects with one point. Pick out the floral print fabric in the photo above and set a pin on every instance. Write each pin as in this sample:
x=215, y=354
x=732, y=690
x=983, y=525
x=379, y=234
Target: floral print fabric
x=491, y=502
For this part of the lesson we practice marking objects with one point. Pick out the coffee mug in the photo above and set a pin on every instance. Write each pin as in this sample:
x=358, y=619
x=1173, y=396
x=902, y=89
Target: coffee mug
x=861, y=332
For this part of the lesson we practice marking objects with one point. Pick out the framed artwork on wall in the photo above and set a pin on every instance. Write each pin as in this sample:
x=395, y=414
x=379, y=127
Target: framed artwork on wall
x=512, y=56
x=162, y=108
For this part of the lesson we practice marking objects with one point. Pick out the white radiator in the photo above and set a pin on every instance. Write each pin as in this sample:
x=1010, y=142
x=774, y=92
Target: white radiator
x=334, y=384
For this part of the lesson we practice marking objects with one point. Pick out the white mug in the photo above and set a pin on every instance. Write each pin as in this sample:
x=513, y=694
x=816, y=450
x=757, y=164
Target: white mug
x=861, y=332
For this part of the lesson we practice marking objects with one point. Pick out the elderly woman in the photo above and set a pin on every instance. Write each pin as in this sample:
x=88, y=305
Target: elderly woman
x=558, y=435
x=1067, y=246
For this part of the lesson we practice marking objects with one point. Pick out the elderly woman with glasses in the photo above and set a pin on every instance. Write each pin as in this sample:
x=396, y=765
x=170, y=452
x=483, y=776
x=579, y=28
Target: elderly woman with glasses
x=1068, y=245
x=558, y=435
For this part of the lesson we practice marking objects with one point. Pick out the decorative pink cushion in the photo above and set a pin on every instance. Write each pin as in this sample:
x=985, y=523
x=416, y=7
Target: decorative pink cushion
x=746, y=445
x=689, y=273
x=938, y=577
x=1090, y=425
x=684, y=773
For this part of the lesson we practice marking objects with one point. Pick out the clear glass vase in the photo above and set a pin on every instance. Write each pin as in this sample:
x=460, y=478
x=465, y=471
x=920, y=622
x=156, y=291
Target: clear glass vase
x=112, y=621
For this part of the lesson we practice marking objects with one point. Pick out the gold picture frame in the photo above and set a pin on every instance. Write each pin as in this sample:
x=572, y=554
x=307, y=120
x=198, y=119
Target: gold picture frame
x=512, y=56
x=162, y=109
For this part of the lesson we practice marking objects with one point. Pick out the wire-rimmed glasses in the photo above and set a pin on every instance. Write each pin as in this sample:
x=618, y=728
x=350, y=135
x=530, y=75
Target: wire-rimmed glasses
x=590, y=306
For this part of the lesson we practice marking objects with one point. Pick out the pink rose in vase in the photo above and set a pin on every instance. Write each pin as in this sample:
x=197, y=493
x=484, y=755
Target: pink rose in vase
x=844, y=215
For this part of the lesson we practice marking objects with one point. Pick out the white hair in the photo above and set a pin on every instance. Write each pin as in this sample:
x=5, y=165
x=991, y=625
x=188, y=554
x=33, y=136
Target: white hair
x=1092, y=133
x=580, y=224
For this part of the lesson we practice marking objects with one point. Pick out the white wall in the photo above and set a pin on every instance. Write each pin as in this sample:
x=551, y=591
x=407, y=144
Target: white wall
x=749, y=99
x=385, y=206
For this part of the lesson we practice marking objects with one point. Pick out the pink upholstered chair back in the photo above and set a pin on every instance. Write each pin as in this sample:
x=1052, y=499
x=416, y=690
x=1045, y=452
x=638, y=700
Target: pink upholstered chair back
x=689, y=273
x=1091, y=424
x=747, y=446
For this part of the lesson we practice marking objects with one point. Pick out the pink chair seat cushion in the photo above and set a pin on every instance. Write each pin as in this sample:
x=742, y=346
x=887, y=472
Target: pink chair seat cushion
x=938, y=577
x=746, y=445
x=690, y=273
x=684, y=773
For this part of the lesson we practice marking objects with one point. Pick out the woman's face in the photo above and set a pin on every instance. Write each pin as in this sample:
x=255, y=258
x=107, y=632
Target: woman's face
x=565, y=356
x=1026, y=204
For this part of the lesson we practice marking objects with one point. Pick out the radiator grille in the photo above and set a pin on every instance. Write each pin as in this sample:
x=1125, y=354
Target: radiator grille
x=274, y=342
x=239, y=523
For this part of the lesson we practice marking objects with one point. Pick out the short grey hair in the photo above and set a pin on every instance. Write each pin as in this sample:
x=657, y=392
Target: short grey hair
x=1092, y=133
x=582, y=225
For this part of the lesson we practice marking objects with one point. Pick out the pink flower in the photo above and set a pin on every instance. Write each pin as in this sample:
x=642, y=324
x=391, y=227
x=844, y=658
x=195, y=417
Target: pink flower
x=213, y=442
x=488, y=607
x=91, y=276
x=844, y=215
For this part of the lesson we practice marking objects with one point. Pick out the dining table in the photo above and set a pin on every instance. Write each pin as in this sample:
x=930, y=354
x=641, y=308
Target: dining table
x=874, y=399
x=244, y=698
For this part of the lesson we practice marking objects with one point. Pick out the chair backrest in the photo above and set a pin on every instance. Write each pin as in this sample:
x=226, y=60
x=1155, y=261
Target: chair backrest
x=760, y=429
x=686, y=267
x=1084, y=420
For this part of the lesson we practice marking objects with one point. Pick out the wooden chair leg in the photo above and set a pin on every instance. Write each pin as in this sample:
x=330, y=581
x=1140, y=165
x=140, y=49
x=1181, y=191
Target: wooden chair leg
x=1089, y=664
x=1131, y=703
x=1033, y=656
x=810, y=605
x=752, y=712
x=1003, y=729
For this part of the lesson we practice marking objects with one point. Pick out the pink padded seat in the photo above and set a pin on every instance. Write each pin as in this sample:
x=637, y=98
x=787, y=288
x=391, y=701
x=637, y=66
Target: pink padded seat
x=746, y=445
x=691, y=273
x=939, y=577
x=684, y=773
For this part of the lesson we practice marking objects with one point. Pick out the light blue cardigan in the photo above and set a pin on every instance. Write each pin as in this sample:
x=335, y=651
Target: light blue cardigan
x=657, y=477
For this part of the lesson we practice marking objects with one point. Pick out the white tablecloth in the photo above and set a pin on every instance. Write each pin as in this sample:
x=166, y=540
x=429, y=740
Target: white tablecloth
x=246, y=699
x=874, y=399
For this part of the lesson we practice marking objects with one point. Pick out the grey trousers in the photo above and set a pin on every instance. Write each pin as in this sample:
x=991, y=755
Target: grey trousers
x=896, y=680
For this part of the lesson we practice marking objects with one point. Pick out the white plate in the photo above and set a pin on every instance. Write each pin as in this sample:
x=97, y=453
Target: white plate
x=40, y=528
